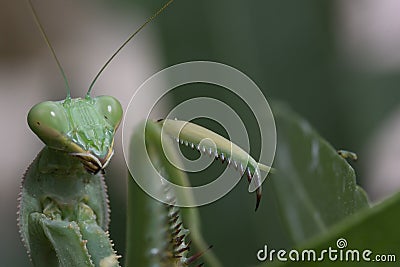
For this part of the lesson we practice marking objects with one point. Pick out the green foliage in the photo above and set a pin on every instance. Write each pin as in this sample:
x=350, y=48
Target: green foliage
x=320, y=202
x=374, y=229
x=315, y=187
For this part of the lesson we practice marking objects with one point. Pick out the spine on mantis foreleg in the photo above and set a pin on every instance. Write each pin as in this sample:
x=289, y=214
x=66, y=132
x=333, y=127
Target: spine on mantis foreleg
x=156, y=234
x=63, y=213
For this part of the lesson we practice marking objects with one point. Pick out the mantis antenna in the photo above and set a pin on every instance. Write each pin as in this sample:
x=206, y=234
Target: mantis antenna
x=40, y=26
x=125, y=43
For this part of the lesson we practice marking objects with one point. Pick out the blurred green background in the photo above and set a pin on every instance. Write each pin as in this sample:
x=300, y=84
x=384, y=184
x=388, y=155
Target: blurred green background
x=335, y=63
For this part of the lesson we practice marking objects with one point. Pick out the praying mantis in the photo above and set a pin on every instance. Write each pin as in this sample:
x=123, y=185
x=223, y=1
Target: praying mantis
x=63, y=205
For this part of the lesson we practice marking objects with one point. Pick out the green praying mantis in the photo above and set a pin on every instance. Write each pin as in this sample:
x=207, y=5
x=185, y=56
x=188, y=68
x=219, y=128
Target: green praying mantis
x=63, y=205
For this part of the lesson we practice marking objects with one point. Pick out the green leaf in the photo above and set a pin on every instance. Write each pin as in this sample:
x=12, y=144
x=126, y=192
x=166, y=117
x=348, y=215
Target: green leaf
x=374, y=229
x=315, y=187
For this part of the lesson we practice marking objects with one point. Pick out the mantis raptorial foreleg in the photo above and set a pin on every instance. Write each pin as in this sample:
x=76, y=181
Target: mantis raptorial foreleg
x=156, y=224
x=156, y=147
x=67, y=242
x=192, y=134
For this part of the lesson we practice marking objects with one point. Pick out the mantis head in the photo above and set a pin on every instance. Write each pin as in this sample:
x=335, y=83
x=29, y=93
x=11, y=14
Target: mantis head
x=83, y=128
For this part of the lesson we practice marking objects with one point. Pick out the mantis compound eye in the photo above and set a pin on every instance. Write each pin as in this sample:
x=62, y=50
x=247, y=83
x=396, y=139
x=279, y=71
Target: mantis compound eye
x=110, y=108
x=48, y=121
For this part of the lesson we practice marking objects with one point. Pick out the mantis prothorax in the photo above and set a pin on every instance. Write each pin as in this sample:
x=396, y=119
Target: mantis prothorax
x=64, y=214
